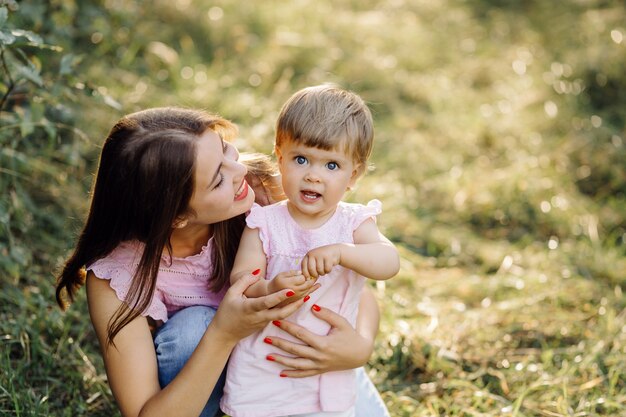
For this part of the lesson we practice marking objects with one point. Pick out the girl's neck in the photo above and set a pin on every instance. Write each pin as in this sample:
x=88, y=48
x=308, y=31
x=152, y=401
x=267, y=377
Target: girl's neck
x=309, y=221
x=189, y=240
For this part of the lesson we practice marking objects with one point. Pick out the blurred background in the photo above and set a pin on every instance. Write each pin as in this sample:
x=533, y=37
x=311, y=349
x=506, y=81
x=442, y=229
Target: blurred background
x=499, y=157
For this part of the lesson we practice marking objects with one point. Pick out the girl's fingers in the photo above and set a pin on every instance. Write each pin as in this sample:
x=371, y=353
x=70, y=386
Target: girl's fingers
x=321, y=267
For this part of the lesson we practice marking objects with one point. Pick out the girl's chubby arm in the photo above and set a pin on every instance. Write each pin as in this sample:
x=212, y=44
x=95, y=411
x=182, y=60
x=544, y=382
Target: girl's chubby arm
x=250, y=258
x=131, y=364
x=371, y=255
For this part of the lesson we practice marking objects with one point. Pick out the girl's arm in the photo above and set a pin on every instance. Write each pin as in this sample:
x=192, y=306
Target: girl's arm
x=131, y=364
x=250, y=258
x=343, y=348
x=372, y=254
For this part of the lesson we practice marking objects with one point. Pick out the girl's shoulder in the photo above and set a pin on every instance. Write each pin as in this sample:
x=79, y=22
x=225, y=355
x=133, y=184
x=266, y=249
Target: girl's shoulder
x=262, y=215
x=372, y=208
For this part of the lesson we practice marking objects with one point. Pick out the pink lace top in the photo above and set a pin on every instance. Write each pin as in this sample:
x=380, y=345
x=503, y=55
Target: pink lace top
x=253, y=386
x=181, y=283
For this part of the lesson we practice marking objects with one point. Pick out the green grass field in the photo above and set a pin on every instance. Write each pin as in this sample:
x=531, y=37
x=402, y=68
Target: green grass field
x=499, y=158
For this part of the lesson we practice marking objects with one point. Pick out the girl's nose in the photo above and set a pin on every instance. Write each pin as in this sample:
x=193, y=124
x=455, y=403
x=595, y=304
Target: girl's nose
x=311, y=176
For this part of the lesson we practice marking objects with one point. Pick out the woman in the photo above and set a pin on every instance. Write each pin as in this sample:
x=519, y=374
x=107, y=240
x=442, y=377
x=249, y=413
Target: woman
x=161, y=235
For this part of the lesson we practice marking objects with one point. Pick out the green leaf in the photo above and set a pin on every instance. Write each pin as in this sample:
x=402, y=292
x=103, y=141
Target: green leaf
x=32, y=37
x=4, y=14
x=6, y=38
x=67, y=62
x=30, y=74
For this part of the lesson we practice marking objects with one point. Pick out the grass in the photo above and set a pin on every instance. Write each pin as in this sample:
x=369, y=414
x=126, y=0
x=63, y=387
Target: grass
x=499, y=159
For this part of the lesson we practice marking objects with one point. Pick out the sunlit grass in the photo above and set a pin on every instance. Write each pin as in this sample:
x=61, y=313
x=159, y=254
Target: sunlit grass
x=499, y=159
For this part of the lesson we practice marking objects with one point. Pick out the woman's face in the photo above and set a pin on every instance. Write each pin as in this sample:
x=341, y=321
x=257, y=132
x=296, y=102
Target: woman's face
x=220, y=191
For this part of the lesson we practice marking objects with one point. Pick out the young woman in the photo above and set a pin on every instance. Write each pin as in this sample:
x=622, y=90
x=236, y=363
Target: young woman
x=166, y=216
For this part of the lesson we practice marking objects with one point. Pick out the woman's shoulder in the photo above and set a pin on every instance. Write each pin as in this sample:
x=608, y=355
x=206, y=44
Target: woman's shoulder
x=126, y=255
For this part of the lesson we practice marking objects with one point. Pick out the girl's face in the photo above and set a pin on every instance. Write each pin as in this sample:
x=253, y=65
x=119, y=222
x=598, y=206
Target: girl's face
x=220, y=191
x=314, y=180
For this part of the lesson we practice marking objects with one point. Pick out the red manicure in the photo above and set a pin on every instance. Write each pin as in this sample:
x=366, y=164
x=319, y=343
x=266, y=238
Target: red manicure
x=316, y=307
x=256, y=272
x=306, y=298
x=283, y=375
x=290, y=293
x=276, y=323
x=268, y=340
x=270, y=358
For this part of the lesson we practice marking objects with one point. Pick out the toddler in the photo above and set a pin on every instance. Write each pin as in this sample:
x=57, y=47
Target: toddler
x=324, y=137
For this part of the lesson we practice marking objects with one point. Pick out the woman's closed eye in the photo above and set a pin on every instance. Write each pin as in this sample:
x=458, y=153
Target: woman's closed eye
x=220, y=182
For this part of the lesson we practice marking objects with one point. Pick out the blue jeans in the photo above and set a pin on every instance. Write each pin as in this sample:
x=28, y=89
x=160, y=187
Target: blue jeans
x=176, y=340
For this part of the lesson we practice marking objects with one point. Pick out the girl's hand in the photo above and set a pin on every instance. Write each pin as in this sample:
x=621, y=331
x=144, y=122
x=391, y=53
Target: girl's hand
x=239, y=316
x=320, y=261
x=343, y=348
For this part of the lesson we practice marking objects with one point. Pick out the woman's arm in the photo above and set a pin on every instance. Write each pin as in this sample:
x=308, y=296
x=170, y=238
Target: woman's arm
x=131, y=361
x=343, y=347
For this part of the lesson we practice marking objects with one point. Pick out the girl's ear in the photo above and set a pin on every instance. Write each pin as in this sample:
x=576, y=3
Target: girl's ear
x=180, y=222
x=279, y=156
x=356, y=173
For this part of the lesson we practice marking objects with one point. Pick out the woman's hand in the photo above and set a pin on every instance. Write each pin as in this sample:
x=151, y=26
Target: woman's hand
x=295, y=281
x=343, y=348
x=239, y=316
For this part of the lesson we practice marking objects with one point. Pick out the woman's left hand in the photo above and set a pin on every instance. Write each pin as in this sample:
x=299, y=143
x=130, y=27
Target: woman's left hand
x=343, y=348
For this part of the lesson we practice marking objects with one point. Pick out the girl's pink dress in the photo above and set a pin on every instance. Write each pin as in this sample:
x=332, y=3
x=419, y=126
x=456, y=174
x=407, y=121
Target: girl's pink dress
x=253, y=385
x=183, y=282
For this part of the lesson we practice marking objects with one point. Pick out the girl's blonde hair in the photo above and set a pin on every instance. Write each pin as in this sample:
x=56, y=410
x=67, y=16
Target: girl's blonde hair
x=326, y=117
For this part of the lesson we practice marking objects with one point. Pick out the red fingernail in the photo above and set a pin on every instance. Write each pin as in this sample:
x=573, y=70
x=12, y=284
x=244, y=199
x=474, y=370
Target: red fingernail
x=268, y=340
x=316, y=307
x=256, y=272
x=306, y=298
x=283, y=375
x=270, y=358
x=276, y=323
x=290, y=293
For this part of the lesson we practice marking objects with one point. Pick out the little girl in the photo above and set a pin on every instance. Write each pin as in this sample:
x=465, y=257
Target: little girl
x=323, y=140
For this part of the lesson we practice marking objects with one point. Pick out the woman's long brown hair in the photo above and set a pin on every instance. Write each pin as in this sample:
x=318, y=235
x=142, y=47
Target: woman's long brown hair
x=144, y=183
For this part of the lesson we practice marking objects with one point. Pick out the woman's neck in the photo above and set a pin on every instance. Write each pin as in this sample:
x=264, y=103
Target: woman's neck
x=189, y=240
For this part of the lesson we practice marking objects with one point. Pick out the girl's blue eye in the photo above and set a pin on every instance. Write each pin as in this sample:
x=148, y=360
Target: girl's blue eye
x=332, y=166
x=300, y=160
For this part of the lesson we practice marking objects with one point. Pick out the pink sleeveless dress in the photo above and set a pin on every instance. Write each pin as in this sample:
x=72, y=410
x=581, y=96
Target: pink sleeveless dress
x=253, y=385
